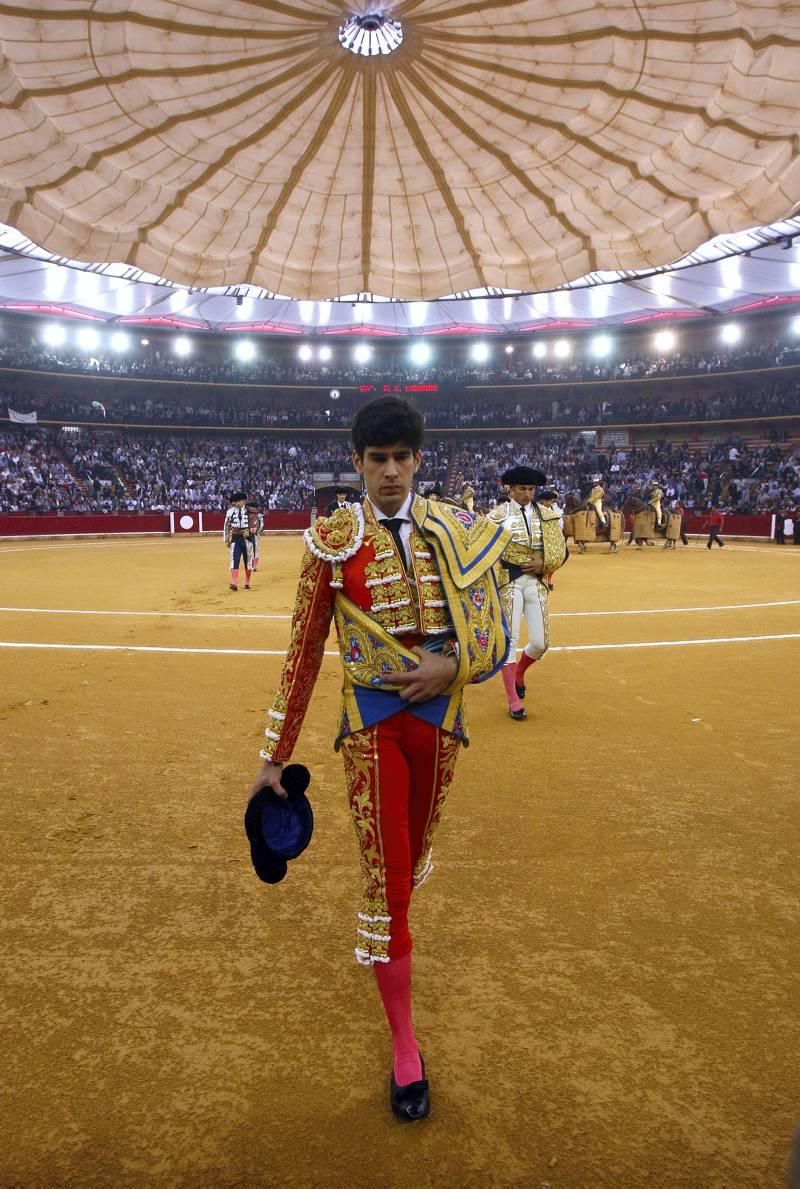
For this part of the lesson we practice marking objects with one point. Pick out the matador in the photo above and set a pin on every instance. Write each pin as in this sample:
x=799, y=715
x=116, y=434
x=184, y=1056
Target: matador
x=411, y=588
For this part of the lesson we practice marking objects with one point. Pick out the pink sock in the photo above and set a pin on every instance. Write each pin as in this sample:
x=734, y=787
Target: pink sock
x=235, y=576
x=523, y=664
x=247, y=574
x=508, y=672
x=394, y=984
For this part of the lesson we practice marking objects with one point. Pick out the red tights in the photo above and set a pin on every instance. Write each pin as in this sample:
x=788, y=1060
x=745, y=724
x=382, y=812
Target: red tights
x=398, y=775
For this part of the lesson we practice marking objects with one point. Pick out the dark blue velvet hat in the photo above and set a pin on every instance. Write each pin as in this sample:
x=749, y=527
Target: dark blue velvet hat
x=279, y=828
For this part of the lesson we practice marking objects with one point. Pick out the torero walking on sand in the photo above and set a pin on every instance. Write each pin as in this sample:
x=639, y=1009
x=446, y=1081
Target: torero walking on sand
x=411, y=588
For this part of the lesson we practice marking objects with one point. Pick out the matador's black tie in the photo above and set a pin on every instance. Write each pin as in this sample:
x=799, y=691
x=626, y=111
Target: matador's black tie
x=394, y=524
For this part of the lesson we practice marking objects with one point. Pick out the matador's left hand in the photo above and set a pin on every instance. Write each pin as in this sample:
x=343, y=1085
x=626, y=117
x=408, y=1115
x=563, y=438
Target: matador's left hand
x=432, y=677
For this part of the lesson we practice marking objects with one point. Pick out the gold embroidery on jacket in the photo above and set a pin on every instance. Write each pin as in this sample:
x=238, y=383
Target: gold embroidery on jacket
x=392, y=603
x=429, y=595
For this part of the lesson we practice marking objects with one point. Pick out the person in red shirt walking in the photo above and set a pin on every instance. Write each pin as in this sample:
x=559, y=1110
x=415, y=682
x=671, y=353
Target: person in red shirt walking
x=714, y=521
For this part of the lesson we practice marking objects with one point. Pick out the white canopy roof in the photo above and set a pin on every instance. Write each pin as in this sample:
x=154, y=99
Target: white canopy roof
x=426, y=149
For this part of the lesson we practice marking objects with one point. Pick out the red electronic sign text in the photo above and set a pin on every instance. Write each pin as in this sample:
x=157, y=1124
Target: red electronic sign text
x=389, y=389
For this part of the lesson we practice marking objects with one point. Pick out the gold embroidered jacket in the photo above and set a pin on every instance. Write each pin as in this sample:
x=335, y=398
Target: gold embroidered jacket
x=352, y=573
x=545, y=538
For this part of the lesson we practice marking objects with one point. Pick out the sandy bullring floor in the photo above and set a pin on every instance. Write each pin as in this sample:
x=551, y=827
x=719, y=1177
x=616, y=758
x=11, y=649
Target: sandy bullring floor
x=607, y=956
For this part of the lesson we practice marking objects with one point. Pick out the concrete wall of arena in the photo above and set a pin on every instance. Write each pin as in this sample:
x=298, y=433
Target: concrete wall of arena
x=19, y=524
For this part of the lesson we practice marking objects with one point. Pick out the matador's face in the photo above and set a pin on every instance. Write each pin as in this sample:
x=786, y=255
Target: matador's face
x=388, y=473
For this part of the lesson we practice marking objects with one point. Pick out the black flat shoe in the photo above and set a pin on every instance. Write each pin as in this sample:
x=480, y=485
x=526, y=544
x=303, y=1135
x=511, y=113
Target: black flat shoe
x=520, y=690
x=518, y=715
x=411, y=1103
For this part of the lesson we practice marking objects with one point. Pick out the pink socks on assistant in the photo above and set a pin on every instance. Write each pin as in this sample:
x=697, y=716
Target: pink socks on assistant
x=509, y=673
x=394, y=983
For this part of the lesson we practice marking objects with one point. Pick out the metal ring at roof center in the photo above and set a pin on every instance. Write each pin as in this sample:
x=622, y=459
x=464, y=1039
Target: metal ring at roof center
x=370, y=34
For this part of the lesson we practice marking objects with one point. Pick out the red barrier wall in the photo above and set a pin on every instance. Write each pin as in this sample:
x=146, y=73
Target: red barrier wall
x=734, y=526
x=18, y=524
x=275, y=521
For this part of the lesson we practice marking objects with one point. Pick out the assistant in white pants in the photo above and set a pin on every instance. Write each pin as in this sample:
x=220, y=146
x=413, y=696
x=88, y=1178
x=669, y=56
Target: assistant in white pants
x=528, y=600
x=522, y=563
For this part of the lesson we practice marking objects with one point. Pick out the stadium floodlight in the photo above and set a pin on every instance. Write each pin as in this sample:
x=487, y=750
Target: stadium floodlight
x=119, y=341
x=561, y=348
x=601, y=345
x=145, y=342
x=796, y=326
x=480, y=352
x=304, y=353
x=539, y=350
x=664, y=341
x=731, y=333
x=325, y=354
x=362, y=353
x=420, y=353
x=509, y=349
x=88, y=339
x=54, y=336
x=245, y=351
x=182, y=346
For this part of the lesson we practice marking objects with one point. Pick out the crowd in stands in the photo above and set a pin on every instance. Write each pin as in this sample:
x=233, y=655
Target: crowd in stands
x=42, y=470
x=728, y=473
x=770, y=398
x=34, y=477
x=519, y=367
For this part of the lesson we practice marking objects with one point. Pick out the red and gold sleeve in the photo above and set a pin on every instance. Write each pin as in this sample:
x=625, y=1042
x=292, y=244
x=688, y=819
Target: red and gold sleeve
x=311, y=621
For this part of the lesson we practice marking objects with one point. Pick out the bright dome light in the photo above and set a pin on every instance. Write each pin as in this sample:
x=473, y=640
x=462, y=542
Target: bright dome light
x=362, y=353
x=601, y=345
x=509, y=349
x=119, y=341
x=731, y=333
x=245, y=351
x=480, y=352
x=664, y=340
x=796, y=326
x=539, y=350
x=182, y=346
x=145, y=342
x=304, y=353
x=88, y=339
x=561, y=348
x=54, y=335
x=420, y=353
x=370, y=33
x=325, y=354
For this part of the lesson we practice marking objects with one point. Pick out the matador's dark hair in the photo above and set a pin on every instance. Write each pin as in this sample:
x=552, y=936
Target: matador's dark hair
x=385, y=421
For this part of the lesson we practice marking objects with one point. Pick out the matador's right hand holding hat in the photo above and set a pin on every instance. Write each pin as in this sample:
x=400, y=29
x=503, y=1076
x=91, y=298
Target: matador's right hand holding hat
x=279, y=828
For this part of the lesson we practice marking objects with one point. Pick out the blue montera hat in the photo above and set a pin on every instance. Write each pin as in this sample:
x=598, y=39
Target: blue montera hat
x=279, y=828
